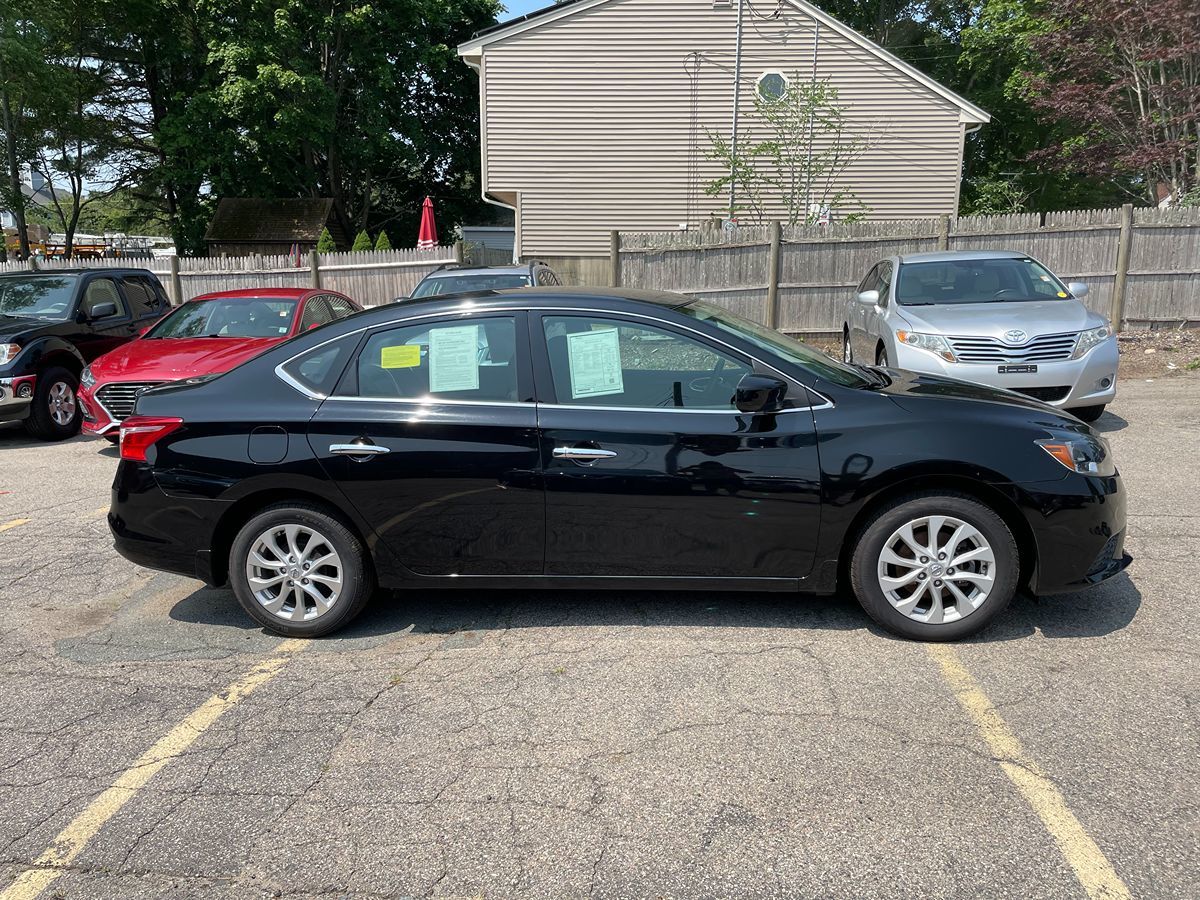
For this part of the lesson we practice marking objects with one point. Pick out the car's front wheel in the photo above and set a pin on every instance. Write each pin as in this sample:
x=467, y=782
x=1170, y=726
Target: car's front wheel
x=299, y=571
x=54, y=414
x=935, y=566
x=847, y=350
x=1088, y=413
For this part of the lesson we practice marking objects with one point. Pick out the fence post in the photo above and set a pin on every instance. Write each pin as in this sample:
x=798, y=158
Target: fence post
x=1124, y=246
x=944, y=232
x=32, y=261
x=614, y=259
x=773, y=275
x=460, y=252
x=314, y=268
x=176, y=281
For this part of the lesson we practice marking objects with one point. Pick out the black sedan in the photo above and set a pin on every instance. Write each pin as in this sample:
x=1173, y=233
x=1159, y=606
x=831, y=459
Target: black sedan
x=554, y=437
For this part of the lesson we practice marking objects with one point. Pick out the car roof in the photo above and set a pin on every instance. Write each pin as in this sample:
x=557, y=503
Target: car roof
x=451, y=271
x=278, y=293
x=951, y=255
x=82, y=270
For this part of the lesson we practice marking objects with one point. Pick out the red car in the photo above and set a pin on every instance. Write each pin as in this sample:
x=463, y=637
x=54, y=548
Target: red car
x=207, y=335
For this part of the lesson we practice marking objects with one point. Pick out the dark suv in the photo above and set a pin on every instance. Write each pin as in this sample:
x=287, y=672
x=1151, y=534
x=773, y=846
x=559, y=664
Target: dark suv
x=52, y=324
x=455, y=279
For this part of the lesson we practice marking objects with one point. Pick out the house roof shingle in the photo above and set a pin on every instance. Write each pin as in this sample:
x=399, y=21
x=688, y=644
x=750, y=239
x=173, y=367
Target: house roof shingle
x=254, y=220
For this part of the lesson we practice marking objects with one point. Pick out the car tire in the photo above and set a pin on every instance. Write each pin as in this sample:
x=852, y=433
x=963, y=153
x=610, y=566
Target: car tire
x=881, y=358
x=342, y=579
x=847, y=350
x=985, y=582
x=1088, y=413
x=54, y=414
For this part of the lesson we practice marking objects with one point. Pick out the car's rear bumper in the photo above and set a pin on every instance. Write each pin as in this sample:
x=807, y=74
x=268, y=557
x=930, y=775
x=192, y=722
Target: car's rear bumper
x=1079, y=530
x=1067, y=384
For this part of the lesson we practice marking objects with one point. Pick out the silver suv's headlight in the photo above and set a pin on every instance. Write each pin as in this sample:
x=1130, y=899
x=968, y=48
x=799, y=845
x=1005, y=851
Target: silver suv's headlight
x=1083, y=454
x=1093, y=337
x=87, y=379
x=934, y=343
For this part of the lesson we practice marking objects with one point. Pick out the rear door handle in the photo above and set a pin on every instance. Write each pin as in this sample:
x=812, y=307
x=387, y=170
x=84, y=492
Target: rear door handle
x=588, y=453
x=361, y=451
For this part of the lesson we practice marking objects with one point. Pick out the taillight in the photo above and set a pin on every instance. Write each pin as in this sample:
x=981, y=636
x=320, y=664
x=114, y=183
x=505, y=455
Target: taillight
x=139, y=433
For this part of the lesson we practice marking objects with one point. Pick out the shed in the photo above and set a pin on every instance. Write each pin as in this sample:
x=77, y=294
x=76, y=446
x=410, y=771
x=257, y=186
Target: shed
x=242, y=226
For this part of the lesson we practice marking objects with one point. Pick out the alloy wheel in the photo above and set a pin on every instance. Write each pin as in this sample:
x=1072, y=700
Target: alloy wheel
x=847, y=353
x=61, y=401
x=936, y=569
x=294, y=572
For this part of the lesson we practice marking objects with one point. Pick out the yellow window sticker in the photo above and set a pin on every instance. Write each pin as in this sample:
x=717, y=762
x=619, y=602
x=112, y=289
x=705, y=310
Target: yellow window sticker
x=406, y=356
x=1062, y=294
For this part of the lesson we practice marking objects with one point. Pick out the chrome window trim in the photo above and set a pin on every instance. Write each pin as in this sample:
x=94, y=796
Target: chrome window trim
x=826, y=403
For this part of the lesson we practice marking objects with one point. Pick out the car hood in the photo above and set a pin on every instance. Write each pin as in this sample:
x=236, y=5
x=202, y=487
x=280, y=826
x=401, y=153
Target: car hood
x=996, y=319
x=24, y=327
x=168, y=359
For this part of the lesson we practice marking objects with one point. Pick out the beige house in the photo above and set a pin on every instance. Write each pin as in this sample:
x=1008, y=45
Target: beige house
x=598, y=115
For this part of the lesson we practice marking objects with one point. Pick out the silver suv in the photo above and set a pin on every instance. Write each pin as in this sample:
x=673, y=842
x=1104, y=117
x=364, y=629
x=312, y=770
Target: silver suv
x=993, y=317
x=455, y=279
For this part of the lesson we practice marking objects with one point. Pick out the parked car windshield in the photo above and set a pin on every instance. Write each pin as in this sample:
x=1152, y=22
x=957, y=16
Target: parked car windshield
x=1004, y=280
x=792, y=350
x=266, y=317
x=482, y=281
x=39, y=296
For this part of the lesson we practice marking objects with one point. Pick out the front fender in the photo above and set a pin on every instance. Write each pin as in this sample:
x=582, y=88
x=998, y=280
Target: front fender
x=42, y=352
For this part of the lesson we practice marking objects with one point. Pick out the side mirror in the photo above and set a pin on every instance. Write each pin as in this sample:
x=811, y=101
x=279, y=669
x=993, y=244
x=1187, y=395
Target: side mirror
x=759, y=393
x=1078, y=289
x=103, y=310
x=869, y=298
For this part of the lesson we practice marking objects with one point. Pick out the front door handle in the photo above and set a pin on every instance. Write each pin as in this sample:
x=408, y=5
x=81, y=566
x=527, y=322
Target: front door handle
x=358, y=452
x=586, y=453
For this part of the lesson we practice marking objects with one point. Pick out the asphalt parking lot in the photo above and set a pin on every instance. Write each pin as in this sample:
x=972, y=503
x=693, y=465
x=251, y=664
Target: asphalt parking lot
x=153, y=742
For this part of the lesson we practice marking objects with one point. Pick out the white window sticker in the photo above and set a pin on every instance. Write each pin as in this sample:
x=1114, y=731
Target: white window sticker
x=595, y=360
x=453, y=359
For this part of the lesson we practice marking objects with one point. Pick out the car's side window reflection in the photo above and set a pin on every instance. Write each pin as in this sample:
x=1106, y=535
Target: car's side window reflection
x=609, y=362
x=460, y=360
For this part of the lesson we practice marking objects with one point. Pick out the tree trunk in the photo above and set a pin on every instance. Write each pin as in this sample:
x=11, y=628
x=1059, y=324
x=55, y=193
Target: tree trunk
x=14, y=167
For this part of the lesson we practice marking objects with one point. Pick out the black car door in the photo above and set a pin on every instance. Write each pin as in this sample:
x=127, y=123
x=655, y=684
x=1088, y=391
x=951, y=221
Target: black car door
x=432, y=435
x=101, y=330
x=649, y=468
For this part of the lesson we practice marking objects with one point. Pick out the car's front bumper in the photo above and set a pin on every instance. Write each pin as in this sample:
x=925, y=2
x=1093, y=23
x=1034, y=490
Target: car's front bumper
x=96, y=419
x=1090, y=380
x=16, y=396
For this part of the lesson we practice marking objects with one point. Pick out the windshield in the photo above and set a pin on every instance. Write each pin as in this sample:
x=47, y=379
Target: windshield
x=266, y=317
x=39, y=296
x=792, y=350
x=481, y=281
x=1005, y=280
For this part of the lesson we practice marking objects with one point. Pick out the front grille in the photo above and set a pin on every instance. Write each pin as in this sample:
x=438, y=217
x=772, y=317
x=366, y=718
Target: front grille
x=118, y=398
x=1045, y=394
x=1043, y=348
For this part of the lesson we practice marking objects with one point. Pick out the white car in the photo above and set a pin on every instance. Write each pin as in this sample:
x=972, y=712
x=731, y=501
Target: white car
x=993, y=317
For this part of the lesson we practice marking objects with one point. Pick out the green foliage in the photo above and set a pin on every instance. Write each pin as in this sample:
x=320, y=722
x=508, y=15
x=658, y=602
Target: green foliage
x=382, y=242
x=362, y=242
x=990, y=196
x=325, y=242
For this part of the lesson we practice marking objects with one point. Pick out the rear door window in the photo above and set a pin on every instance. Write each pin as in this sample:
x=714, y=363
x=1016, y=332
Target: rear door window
x=340, y=306
x=143, y=301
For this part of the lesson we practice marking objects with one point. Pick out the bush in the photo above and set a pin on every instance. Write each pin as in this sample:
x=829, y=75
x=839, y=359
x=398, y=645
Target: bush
x=325, y=242
x=382, y=242
x=362, y=242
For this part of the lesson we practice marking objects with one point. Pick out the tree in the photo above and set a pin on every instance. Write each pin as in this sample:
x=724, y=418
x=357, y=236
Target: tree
x=1124, y=77
x=23, y=51
x=325, y=242
x=382, y=242
x=793, y=153
x=362, y=242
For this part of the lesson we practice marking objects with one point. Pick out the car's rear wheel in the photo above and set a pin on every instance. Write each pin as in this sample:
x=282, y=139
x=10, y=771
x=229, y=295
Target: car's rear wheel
x=847, y=350
x=299, y=571
x=935, y=566
x=54, y=414
x=1088, y=413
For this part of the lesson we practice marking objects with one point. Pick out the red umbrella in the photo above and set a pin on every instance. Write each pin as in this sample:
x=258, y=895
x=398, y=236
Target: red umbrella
x=427, y=236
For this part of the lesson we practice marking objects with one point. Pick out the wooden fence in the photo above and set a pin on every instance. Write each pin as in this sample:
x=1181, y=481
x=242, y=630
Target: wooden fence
x=1142, y=266
x=372, y=278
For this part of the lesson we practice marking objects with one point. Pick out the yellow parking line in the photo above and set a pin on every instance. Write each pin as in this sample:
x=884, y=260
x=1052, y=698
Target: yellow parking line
x=13, y=524
x=72, y=839
x=1099, y=879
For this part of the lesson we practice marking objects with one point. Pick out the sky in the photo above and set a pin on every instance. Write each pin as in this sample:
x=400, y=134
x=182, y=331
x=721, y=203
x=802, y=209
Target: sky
x=516, y=8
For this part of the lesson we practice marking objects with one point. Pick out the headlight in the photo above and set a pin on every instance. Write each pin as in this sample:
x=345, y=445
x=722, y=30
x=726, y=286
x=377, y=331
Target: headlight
x=8, y=352
x=87, y=379
x=934, y=343
x=1082, y=454
x=1091, y=338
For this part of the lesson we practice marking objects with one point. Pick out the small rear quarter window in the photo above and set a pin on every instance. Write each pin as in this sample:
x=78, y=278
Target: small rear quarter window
x=318, y=369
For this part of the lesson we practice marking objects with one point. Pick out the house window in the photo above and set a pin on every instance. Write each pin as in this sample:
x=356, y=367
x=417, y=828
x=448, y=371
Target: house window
x=772, y=86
